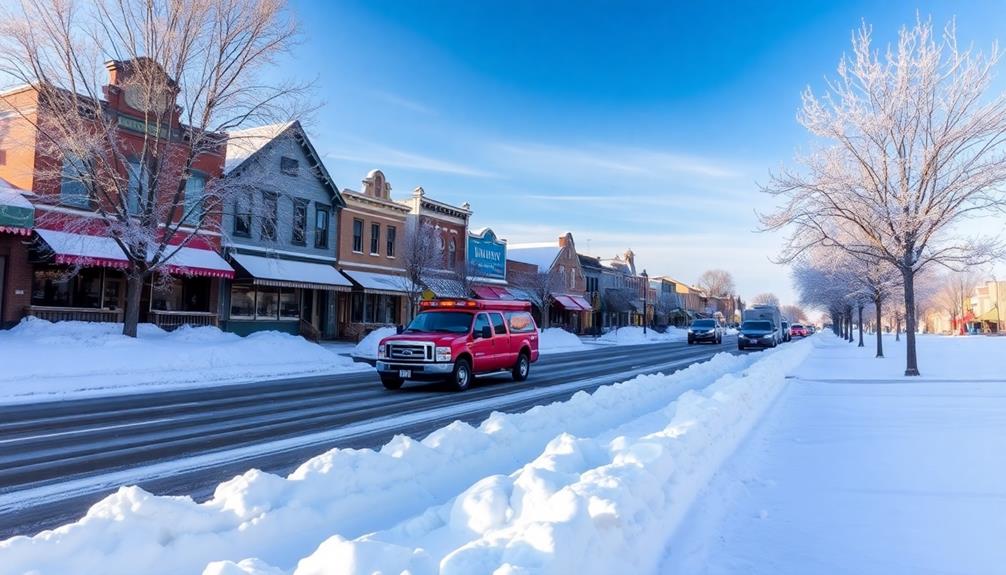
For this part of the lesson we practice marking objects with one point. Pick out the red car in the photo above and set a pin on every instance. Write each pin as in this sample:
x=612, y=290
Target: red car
x=798, y=330
x=455, y=340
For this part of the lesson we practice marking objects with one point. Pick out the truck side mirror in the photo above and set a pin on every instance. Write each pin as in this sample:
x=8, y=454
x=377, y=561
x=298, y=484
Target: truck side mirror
x=487, y=332
x=399, y=328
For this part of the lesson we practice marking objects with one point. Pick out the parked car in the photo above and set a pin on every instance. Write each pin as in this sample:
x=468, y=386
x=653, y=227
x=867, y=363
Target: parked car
x=787, y=335
x=705, y=330
x=757, y=333
x=811, y=329
x=798, y=330
x=455, y=340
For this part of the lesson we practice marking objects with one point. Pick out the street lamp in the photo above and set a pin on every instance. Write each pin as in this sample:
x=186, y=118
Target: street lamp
x=646, y=293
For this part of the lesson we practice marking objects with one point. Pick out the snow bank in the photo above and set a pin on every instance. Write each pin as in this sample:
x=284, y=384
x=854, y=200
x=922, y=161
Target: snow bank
x=42, y=358
x=349, y=493
x=367, y=348
x=557, y=340
x=632, y=335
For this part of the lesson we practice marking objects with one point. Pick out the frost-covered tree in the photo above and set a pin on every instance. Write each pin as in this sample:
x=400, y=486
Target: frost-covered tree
x=794, y=312
x=909, y=144
x=196, y=69
x=717, y=283
x=765, y=299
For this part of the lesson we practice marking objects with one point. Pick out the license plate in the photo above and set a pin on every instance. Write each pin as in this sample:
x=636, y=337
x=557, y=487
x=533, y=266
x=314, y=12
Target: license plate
x=405, y=373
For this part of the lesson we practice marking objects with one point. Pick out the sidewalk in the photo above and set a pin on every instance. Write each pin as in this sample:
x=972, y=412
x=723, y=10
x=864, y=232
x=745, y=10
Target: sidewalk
x=863, y=472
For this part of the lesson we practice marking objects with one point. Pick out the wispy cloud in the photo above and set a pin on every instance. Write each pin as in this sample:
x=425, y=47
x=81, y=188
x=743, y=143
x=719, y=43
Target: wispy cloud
x=376, y=155
x=402, y=102
x=604, y=161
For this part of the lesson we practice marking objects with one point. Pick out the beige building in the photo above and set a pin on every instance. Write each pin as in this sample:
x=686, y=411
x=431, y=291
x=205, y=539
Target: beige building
x=371, y=231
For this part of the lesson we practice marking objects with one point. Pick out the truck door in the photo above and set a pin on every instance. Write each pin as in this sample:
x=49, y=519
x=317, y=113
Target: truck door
x=505, y=356
x=483, y=350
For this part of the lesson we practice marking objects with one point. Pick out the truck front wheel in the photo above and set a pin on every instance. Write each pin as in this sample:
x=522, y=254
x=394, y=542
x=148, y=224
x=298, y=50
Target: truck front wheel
x=461, y=377
x=391, y=381
x=523, y=367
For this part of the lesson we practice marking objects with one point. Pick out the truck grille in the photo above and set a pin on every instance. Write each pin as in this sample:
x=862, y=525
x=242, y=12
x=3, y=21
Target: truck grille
x=410, y=351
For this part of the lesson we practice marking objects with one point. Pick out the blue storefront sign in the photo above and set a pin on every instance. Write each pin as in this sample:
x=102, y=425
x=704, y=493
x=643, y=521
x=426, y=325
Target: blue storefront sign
x=486, y=255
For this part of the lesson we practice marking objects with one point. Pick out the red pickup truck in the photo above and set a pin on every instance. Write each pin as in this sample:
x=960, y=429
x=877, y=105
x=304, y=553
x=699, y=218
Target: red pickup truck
x=456, y=339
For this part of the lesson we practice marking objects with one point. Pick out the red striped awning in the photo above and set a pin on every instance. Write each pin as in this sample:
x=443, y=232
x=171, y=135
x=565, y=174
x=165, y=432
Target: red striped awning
x=18, y=231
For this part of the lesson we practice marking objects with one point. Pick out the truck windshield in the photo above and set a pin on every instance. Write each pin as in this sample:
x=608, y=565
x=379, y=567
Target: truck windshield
x=757, y=326
x=441, y=322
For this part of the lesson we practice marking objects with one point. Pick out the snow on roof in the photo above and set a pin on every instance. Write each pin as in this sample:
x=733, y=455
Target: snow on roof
x=270, y=268
x=11, y=195
x=82, y=246
x=539, y=254
x=379, y=282
x=243, y=144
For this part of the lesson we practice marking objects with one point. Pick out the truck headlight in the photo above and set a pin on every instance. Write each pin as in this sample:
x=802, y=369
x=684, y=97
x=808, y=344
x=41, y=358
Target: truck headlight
x=382, y=351
x=443, y=353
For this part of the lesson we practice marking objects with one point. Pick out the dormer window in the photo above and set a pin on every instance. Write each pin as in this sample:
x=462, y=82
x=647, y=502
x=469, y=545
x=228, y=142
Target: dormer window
x=289, y=166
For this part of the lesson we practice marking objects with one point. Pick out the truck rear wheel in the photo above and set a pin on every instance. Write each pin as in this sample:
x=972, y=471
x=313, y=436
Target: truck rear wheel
x=523, y=367
x=391, y=381
x=461, y=377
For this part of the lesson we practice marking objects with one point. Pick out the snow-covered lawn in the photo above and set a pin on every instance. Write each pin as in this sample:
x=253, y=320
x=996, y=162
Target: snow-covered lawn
x=595, y=484
x=41, y=360
x=857, y=469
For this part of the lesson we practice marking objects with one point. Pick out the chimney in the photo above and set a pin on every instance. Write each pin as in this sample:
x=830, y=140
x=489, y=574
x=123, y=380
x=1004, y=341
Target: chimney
x=566, y=240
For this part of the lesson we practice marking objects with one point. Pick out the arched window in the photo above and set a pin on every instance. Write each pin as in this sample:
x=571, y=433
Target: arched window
x=452, y=253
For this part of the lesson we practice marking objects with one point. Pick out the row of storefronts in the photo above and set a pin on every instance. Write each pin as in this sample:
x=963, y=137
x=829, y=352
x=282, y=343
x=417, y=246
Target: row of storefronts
x=291, y=252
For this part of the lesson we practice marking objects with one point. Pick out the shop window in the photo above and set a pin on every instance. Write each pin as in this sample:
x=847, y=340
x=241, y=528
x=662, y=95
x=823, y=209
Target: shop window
x=289, y=304
x=138, y=186
x=299, y=222
x=370, y=309
x=321, y=219
x=375, y=239
x=270, y=207
x=289, y=166
x=356, y=308
x=358, y=236
x=243, y=215
x=167, y=295
x=195, y=192
x=389, y=309
x=392, y=233
x=242, y=302
x=51, y=287
x=73, y=187
x=267, y=305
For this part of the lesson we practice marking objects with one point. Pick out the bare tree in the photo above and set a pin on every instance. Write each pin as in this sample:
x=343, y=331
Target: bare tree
x=421, y=257
x=717, y=283
x=793, y=312
x=195, y=69
x=910, y=147
x=540, y=285
x=765, y=299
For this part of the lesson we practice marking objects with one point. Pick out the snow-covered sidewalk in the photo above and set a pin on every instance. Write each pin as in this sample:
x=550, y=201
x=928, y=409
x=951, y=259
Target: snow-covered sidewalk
x=859, y=470
x=40, y=360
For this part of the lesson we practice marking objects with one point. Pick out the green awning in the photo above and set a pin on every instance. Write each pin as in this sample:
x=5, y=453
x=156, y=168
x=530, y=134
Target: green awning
x=17, y=215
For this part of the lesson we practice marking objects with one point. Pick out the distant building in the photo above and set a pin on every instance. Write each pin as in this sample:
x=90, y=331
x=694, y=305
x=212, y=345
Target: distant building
x=567, y=306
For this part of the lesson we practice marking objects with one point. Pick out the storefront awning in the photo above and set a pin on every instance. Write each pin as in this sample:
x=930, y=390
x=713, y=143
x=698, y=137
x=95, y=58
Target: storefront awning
x=17, y=215
x=379, y=283
x=991, y=315
x=101, y=251
x=277, y=272
x=83, y=250
x=571, y=303
x=522, y=295
x=197, y=262
x=492, y=292
x=446, y=287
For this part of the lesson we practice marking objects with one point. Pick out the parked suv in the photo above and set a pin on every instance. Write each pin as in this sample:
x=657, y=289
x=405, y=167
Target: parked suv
x=705, y=330
x=455, y=340
x=757, y=333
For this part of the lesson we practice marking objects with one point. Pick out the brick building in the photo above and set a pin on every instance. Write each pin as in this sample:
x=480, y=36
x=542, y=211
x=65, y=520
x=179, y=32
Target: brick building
x=75, y=264
x=568, y=306
x=371, y=226
x=449, y=226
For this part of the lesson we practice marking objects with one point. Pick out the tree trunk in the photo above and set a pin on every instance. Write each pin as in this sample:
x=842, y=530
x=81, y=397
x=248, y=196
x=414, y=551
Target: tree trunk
x=861, y=326
x=911, y=359
x=544, y=316
x=134, y=289
x=897, y=328
x=880, y=338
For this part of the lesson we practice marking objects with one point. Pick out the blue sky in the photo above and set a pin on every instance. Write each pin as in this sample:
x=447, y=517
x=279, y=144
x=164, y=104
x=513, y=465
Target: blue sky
x=631, y=124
